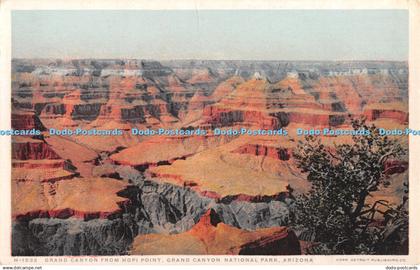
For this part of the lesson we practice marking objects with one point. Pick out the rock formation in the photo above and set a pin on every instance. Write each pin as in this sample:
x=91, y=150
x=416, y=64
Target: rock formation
x=212, y=237
x=180, y=194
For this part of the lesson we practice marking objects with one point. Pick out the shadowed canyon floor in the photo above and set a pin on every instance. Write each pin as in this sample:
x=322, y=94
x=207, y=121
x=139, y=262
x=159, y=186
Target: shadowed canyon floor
x=175, y=194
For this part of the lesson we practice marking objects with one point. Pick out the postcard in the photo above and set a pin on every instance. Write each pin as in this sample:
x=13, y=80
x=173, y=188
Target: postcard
x=209, y=132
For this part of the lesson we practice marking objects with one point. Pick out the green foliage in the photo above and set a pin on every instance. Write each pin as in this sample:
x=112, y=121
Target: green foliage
x=343, y=176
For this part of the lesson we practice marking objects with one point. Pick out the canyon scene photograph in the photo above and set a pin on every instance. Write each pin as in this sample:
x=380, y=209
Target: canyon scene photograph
x=217, y=132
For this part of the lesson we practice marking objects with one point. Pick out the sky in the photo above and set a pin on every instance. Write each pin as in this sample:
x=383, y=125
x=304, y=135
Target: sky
x=212, y=34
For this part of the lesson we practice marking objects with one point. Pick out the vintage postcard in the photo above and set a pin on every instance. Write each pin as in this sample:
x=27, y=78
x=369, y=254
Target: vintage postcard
x=190, y=132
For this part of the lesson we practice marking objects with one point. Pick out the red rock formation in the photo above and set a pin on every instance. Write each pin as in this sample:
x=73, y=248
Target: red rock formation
x=46, y=164
x=257, y=103
x=24, y=148
x=225, y=88
x=212, y=237
x=356, y=91
x=41, y=172
x=160, y=150
x=79, y=198
x=220, y=117
x=226, y=168
x=374, y=114
x=174, y=84
x=81, y=156
x=263, y=150
x=201, y=76
x=26, y=120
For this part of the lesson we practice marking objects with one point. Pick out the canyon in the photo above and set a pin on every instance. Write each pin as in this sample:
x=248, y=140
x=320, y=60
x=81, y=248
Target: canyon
x=161, y=194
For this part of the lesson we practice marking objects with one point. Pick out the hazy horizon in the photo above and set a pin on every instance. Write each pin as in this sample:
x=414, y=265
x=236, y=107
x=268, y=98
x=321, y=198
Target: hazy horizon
x=247, y=35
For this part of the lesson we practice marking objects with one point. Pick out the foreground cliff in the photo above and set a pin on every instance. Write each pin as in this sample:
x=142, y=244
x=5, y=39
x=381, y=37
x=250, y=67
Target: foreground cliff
x=212, y=237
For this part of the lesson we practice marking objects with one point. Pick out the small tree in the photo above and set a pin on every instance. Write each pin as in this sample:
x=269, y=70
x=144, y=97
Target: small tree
x=342, y=177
